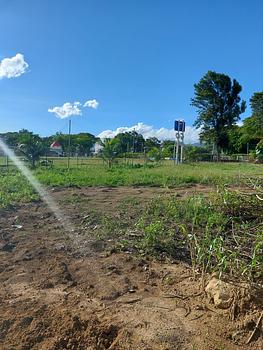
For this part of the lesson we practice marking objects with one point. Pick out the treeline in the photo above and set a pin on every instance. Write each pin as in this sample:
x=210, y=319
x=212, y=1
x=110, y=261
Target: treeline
x=81, y=143
x=219, y=106
x=33, y=146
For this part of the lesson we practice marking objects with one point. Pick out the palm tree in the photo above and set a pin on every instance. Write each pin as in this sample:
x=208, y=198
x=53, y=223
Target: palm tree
x=110, y=150
x=32, y=147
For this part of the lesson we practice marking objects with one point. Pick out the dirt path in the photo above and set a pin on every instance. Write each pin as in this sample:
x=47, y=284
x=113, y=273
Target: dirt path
x=60, y=294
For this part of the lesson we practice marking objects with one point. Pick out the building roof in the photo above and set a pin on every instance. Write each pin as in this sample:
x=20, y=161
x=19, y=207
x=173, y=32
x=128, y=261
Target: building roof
x=55, y=144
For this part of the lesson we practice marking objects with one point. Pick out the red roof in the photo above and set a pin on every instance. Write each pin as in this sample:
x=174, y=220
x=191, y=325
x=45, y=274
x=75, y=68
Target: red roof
x=55, y=144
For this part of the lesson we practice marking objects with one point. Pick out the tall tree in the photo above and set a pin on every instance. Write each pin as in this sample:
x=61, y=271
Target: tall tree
x=218, y=106
x=252, y=128
x=152, y=142
x=130, y=142
x=256, y=103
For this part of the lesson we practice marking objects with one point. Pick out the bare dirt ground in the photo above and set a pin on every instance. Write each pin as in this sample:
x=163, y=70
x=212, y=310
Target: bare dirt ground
x=59, y=292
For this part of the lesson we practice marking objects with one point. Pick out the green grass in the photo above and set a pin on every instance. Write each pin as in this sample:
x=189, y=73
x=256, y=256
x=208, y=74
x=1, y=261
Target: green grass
x=221, y=233
x=165, y=175
x=13, y=188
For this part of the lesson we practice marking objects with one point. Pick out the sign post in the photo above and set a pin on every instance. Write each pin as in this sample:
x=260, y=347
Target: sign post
x=179, y=128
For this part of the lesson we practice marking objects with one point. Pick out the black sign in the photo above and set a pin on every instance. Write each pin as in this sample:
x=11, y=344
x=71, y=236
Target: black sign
x=179, y=125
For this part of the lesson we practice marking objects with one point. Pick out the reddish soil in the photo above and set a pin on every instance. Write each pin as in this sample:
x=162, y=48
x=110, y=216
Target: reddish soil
x=60, y=292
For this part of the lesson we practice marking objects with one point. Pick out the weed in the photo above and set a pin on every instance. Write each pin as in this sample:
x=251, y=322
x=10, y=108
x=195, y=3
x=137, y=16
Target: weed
x=199, y=227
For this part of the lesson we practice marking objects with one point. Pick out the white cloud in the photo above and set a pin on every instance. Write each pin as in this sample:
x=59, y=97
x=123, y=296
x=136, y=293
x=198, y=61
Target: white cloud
x=191, y=134
x=91, y=104
x=68, y=109
x=13, y=67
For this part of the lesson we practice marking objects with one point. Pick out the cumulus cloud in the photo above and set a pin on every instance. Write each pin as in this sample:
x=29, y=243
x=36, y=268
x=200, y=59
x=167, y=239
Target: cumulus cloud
x=147, y=131
x=13, y=67
x=91, y=104
x=68, y=109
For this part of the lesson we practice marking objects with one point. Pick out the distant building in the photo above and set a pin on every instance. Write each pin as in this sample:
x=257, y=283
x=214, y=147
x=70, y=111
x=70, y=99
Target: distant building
x=96, y=148
x=55, y=149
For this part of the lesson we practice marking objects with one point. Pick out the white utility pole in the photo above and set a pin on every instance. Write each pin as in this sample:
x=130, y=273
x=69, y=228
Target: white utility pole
x=69, y=141
x=179, y=127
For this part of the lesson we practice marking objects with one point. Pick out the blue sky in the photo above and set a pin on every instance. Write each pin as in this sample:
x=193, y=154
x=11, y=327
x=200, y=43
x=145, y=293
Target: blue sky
x=138, y=58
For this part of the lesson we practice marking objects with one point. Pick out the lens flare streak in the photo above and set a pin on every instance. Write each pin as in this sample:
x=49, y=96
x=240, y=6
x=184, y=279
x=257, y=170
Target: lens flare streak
x=43, y=193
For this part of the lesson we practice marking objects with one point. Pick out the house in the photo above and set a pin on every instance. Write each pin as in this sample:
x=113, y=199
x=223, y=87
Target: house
x=55, y=149
x=96, y=148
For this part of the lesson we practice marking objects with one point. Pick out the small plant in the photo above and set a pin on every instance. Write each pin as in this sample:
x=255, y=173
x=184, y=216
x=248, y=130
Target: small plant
x=32, y=147
x=110, y=151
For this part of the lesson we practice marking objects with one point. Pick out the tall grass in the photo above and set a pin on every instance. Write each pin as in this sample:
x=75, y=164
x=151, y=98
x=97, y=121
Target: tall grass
x=222, y=233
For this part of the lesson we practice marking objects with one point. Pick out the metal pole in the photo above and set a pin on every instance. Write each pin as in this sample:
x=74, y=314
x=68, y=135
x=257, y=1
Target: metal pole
x=182, y=147
x=174, y=148
x=177, y=149
x=133, y=146
x=69, y=141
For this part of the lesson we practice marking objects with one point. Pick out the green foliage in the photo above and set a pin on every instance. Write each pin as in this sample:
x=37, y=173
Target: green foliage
x=168, y=151
x=15, y=189
x=32, y=147
x=219, y=107
x=165, y=175
x=110, y=150
x=129, y=142
x=168, y=148
x=156, y=237
x=259, y=148
x=235, y=142
x=251, y=132
x=80, y=144
x=221, y=233
x=259, y=152
x=155, y=154
x=256, y=103
x=152, y=142
x=94, y=173
x=197, y=153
